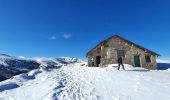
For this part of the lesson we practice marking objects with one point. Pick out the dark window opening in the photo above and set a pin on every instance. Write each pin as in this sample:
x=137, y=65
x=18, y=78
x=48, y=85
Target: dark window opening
x=148, y=59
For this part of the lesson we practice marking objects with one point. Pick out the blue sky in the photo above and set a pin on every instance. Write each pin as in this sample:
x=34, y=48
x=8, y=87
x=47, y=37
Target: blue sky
x=54, y=28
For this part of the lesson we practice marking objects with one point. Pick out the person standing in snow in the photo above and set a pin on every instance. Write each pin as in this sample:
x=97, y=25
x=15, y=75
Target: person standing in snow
x=120, y=62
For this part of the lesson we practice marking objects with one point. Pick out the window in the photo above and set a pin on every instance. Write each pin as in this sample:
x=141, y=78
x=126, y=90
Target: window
x=120, y=53
x=148, y=59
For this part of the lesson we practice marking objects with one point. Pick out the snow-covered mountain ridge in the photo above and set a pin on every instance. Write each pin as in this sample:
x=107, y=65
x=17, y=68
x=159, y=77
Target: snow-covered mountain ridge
x=10, y=66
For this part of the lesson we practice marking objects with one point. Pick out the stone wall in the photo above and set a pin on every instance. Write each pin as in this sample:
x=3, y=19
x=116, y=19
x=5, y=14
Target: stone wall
x=108, y=53
x=92, y=57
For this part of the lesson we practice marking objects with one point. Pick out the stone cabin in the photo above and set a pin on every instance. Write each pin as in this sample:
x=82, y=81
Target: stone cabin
x=109, y=50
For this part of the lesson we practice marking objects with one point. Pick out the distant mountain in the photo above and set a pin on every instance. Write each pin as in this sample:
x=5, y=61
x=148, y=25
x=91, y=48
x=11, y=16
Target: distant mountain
x=57, y=61
x=68, y=60
x=4, y=55
x=163, y=66
x=10, y=66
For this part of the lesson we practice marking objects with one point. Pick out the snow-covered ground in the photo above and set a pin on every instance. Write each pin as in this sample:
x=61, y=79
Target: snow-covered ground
x=11, y=66
x=76, y=82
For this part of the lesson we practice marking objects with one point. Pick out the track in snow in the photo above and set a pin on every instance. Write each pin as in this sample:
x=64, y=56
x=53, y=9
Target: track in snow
x=86, y=83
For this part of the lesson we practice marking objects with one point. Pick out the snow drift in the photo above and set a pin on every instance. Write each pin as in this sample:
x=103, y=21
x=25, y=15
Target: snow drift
x=74, y=82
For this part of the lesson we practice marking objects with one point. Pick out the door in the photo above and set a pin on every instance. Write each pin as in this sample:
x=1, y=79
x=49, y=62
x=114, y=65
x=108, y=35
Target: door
x=98, y=58
x=137, y=61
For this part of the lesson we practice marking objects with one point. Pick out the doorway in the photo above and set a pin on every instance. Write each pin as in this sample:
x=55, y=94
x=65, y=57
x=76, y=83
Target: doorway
x=98, y=61
x=137, y=61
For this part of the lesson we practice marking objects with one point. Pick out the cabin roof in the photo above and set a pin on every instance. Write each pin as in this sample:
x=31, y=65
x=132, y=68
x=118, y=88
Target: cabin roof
x=124, y=40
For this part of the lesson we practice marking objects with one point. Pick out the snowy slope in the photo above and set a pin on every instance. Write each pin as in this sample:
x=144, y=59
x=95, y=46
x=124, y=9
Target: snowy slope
x=10, y=66
x=74, y=82
x=3, y=57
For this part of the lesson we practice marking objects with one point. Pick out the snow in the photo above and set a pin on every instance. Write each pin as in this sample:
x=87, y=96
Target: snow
x=43, y=61
x=2, y=62
x=10, y=65
x=77, y=82
x=15, y=62
x=3, y=57
x=8, y=86
x=57, y=61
